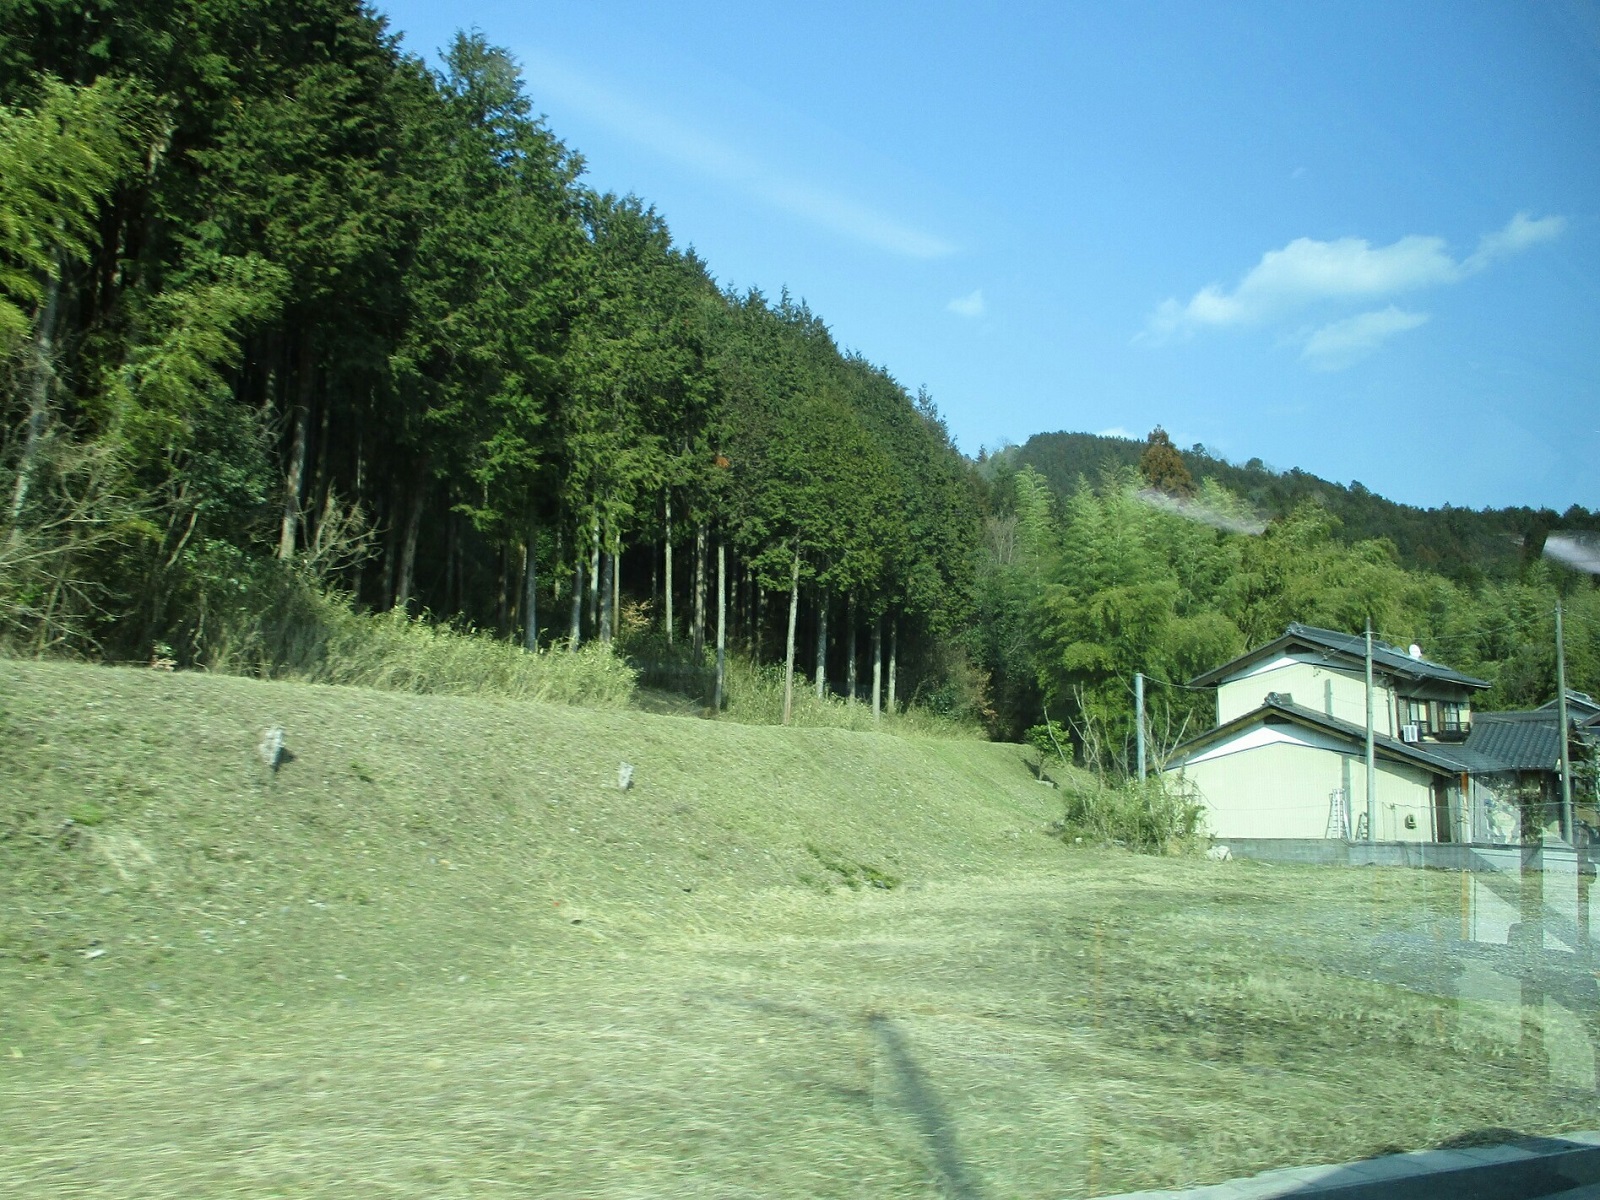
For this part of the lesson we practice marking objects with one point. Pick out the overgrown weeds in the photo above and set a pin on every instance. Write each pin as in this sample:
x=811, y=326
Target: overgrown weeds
x=274, y=622
x=1152, y=816
x=753, y=695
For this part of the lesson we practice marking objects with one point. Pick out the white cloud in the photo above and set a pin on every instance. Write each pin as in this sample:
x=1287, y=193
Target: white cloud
x=1344, y=343
x=1520, y=232
x=820, y=206
x=1350, y=270
x=968, y=306
x=1116, y=431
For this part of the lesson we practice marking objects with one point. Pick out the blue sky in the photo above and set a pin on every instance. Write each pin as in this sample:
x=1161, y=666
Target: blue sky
x=1358, y=239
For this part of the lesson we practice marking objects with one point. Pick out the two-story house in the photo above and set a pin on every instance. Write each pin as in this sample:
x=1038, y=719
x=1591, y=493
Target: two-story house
x=1287, y=757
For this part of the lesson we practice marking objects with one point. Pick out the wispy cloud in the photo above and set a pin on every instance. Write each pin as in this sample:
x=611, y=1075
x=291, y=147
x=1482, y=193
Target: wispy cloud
x=1116, y=431
x=1309, y=272
x=1580, y=551
x=1520, y=232
x=821, y=206
x=968, y=306
x=1236, y=518
x=1341, y=344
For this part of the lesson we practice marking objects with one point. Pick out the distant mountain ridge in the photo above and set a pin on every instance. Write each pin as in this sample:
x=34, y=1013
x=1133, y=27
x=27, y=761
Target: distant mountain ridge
x=1464, y=544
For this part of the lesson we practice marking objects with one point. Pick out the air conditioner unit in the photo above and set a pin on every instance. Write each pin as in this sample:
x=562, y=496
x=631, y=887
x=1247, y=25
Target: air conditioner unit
x=1410, y=733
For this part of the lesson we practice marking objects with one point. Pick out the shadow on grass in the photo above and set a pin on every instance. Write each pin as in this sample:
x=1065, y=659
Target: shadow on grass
x=914, y=1095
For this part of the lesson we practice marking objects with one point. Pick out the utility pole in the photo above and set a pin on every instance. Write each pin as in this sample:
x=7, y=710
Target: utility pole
x=1138, y=699
x=1372, y=763
x=1561, y=719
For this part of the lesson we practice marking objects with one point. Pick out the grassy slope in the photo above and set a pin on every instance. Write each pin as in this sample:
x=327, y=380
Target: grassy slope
x=441, y=954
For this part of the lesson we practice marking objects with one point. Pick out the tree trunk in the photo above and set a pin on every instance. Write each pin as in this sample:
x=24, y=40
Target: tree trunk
x=761, y=616
x=699, y=640
x=894, y=646
x=391, y=555
x=607, y=574
x=359, y=570
x=321, y=480
x=821, y=680
x=594, y=572
x=575, y=632
x=667, y=591
x=616, y=584
x=749, y=612
x=555, y=583
x=850, y=652
x=877, y=667
x=502, y=599
x=294, y=476
x=530, y=599
x=41, y=376
x=452, y=587
x=722, y=624
x=408, y=545
x=788, y=662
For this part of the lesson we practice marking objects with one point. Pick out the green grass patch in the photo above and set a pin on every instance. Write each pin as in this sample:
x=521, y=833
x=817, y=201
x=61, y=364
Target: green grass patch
x=754, y=696
x=440, y=952
x=851, y=874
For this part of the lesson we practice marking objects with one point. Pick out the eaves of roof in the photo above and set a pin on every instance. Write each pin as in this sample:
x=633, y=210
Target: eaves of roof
x=1349, y=649
x=1580, y=706
x=1439, y=760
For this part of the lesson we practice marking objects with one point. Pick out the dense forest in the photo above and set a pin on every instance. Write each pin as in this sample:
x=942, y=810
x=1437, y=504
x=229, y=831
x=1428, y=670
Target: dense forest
x=277, y=293
x=285, y=313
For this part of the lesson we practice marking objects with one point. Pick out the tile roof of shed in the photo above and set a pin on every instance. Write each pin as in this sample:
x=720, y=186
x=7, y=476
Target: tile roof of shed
x=1580, y=705
x=1517, y=741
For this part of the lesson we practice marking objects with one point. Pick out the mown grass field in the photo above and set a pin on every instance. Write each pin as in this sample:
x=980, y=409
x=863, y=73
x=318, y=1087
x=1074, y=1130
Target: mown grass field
x=441, y=954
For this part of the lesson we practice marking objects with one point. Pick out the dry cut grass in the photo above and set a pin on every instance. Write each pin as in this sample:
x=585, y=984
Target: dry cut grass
x=441, y=954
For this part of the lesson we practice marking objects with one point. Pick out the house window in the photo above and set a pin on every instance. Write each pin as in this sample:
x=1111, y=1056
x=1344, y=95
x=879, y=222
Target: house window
x=1452, y=717
x=1416, y=713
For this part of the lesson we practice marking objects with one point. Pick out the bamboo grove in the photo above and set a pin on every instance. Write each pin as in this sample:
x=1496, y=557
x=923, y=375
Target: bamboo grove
x=287, y=313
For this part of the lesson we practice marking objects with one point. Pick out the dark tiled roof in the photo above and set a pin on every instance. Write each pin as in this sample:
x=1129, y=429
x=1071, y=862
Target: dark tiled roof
x=1516, y=741
x=1352, y=649
x=1580, y=705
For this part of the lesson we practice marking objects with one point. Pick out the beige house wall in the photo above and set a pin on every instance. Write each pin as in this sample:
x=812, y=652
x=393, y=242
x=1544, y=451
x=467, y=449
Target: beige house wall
x=1308, y=681
x=1283, y=789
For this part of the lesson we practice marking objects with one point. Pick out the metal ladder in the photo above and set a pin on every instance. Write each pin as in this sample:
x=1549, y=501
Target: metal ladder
x=1338, y=819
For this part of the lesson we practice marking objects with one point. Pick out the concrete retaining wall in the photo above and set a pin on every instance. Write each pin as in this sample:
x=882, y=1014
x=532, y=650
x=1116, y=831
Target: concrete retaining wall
x=1443, y=856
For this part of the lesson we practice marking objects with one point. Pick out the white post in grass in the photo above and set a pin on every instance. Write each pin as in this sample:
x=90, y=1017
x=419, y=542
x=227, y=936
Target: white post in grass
x=1138, y=700
x=722, y=623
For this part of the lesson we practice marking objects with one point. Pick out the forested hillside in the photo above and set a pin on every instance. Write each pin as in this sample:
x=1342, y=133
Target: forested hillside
x=1464, y=544
x=292, y=324
x=1146, y=571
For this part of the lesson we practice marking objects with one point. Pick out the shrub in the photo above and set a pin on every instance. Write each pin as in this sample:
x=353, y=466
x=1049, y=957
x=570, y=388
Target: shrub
x=1154, y=816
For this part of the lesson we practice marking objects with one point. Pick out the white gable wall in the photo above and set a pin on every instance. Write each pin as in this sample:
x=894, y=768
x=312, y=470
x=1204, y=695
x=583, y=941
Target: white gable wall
x=1307, y=677
x=1277, y=781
